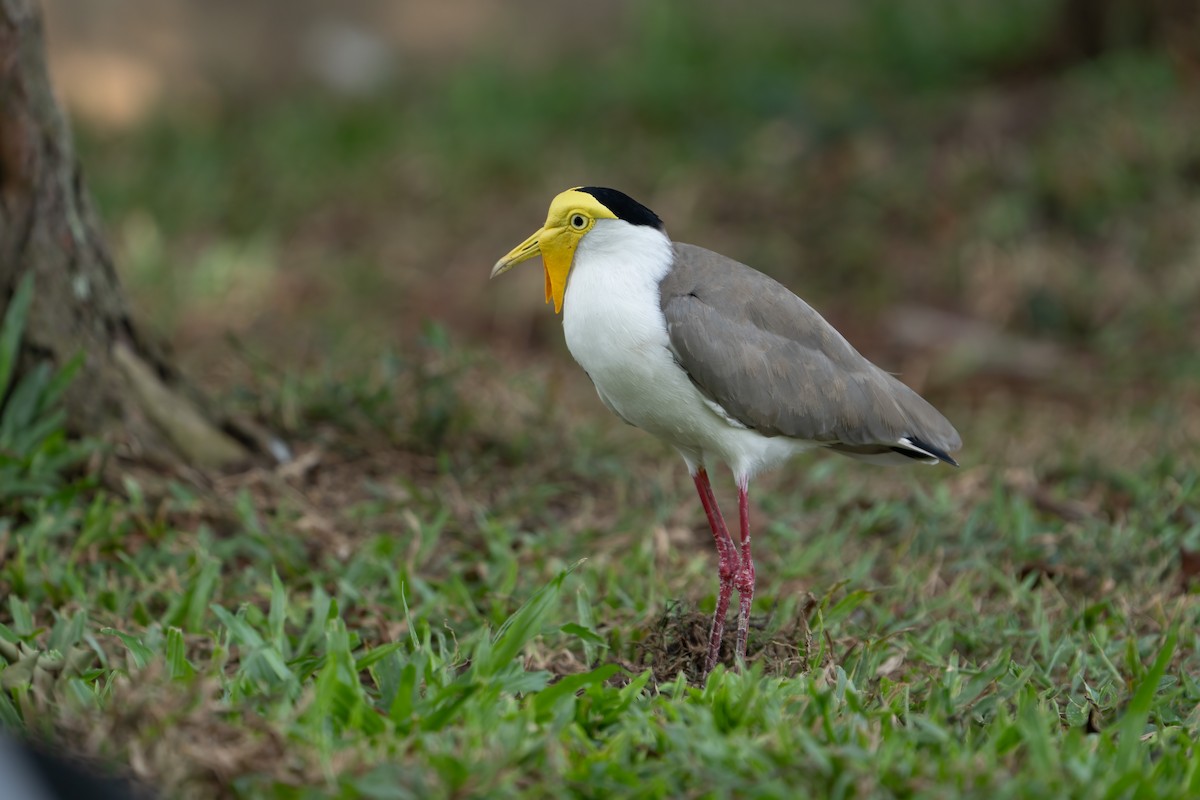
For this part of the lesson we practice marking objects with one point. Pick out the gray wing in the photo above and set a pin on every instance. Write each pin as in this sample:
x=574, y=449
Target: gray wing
x=775, y=365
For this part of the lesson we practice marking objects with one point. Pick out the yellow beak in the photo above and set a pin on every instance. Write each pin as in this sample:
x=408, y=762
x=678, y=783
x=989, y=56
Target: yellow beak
x=522, y=252
x=557, y=249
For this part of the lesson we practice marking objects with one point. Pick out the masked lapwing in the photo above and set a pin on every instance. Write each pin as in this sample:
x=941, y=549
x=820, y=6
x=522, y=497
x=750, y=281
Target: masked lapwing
x=718, y=360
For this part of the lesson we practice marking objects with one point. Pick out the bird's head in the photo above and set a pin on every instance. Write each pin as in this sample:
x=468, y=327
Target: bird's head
x=573, y=214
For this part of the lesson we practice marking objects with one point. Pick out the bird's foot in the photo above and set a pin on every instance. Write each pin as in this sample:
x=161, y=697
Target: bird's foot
x=745, y=586
x=745, y=574
x=717, y=633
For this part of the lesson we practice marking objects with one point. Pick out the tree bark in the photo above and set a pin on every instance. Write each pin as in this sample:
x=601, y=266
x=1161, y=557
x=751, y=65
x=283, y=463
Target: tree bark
x=126, y=391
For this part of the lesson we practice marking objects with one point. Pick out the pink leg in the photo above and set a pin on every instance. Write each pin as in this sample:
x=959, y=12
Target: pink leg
x=727, y=565
x=745, y=576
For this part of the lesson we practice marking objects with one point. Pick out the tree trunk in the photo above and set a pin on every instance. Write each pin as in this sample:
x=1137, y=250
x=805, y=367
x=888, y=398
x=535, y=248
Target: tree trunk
x=126, y=391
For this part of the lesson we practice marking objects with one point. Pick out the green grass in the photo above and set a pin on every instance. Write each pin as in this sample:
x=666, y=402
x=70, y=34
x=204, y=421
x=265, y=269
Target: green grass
x=449, y=616
x=474, y=582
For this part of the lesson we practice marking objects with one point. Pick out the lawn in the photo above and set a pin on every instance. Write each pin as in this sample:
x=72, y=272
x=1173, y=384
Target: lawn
x=472, y=581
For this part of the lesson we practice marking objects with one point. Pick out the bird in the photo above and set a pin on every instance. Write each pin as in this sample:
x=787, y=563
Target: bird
x=720, y=361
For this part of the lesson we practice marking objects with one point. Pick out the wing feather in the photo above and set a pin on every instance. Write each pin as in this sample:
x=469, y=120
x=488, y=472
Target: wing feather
x=775, y=365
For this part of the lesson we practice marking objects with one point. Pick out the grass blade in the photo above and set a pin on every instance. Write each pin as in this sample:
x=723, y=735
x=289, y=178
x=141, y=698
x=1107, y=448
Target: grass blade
x=545, y=700
x=1137, y=714
x=521, y=627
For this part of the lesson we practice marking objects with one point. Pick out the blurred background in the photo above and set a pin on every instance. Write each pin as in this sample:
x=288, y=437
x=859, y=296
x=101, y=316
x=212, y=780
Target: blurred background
x=1001, y=201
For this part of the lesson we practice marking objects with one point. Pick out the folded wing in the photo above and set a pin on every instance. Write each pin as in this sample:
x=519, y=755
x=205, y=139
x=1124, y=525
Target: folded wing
x=775, y=365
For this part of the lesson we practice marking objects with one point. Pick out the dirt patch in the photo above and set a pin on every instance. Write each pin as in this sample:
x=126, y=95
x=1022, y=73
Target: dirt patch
x=678, y=642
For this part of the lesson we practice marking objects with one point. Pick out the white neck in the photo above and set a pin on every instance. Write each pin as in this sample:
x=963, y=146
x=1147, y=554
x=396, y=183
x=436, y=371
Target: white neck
x=616, y=257
x=612, y=292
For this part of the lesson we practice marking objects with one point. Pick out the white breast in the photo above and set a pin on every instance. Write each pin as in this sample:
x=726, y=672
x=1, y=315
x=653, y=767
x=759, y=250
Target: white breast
x=615, y=329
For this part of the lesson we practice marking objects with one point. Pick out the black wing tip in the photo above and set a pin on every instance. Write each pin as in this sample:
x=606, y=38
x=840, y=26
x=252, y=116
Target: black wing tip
x=922, y=449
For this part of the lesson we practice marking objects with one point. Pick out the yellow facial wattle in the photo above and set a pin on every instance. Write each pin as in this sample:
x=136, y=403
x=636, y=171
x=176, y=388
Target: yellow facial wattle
x=558, y=253
x=572, y=214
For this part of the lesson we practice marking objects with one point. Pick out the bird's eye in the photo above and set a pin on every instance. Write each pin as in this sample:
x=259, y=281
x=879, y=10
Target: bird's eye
x=578, y=221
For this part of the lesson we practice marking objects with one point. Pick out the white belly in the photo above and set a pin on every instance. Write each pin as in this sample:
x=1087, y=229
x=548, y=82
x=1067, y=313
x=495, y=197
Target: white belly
x=615, y=329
